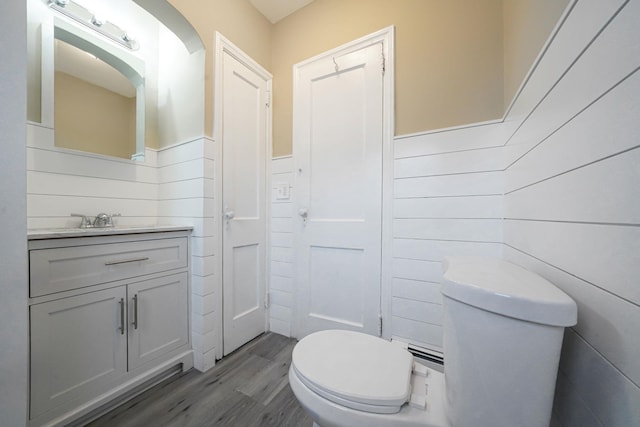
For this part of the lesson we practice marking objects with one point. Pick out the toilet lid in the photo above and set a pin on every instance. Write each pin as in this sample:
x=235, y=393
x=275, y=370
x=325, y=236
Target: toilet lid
x=355, y=370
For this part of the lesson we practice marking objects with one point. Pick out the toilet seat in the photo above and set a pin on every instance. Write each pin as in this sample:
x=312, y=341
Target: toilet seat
x=355, y=370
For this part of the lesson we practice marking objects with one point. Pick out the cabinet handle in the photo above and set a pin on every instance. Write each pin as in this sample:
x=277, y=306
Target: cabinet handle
x=124, y=261
x=122, y=325
x=135, y=311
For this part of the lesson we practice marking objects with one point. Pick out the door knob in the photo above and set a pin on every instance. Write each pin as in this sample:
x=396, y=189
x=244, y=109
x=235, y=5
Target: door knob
x=304, y=213
x=228, y=215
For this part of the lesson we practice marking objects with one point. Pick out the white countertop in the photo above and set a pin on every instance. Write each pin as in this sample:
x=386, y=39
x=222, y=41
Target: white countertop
x=60, y=233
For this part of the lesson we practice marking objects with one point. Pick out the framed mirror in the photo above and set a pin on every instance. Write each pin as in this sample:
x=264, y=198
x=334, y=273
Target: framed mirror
x=94, y=104
x=93, y=92
x=98, y=96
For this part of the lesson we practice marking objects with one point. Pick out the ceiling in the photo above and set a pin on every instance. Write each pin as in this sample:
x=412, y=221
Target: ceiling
x=275, y=10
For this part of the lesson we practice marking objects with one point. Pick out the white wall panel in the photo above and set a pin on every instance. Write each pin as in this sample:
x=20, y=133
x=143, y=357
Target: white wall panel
x=180, y=153
x=610, y=395
x=280, y=312
x=606, y=322
x=61, y=182
x=202, y=227
x=193, y=207
x=569, y=409
x=417, y=290
x=281, y=284
x=449, y=207
x=203, y=324
x=282, y=239
x=282, y=165
x=62, y=205
x=202, y=285
x=482, y=183
x=280, y=327
x=42, y=156
x=425, y=335
x=44, y=183
x=281, y=210
x=53, y=211
x=415, y=269
x=203, y=265
x=435, y=250
x=605, y=128
x=186, y=196
x=189, y=188
x=421, y=311
x=283, y=269
x=281, y=225
x=479, y=160
x=469, y=230
x=584, y=250
x=597, y=193
x=83, y=165
x=279, y=253
x=190, y=169
x=281, y=298
x=448, y=189
x=465, y=138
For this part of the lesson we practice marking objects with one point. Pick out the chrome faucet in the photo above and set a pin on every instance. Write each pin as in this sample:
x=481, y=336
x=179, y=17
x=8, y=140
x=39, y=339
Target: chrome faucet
x=102, y=220
x=85, y=222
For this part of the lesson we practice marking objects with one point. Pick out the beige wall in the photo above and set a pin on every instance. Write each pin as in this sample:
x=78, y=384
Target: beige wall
x=448, y=57
x=239, y=22
x=91, y=118
x=527, y=26
x=453, y=65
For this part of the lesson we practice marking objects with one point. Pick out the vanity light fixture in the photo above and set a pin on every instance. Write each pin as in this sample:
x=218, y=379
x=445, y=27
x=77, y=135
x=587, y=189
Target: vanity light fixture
x=82, y=15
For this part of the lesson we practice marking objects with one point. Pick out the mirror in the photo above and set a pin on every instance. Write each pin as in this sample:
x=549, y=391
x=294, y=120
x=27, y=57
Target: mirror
x=98, y=97
x=94, y=104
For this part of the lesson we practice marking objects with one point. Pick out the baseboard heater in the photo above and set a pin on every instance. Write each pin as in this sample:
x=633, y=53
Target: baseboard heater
x=423, y=353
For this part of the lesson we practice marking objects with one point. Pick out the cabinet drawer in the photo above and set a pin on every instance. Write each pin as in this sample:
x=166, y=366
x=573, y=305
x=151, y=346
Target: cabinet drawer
x=63, y=269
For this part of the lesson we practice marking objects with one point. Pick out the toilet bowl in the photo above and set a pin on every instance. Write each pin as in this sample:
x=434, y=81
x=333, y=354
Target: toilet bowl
x=361, y=380
x=502, y=333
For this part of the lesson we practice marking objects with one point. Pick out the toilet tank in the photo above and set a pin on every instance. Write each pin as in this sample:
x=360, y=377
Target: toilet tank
x=503, y=329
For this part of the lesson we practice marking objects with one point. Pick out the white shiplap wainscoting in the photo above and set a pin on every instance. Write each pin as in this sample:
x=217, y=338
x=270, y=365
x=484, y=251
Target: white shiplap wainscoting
x=281, y=289
x=61, y=182
x=186, y=179
x=572, y=207
x=448, y=189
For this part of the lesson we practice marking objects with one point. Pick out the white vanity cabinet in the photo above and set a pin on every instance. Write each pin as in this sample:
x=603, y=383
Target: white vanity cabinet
x=159, y=318
x=107, y=314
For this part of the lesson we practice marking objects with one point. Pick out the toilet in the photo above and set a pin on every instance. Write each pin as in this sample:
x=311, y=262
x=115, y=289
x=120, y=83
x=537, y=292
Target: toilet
x=502, y=333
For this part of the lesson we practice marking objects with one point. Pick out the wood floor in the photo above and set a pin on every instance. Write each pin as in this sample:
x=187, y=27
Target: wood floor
x=248, y=388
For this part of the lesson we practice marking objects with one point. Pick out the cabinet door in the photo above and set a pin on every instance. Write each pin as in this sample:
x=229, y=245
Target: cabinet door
x=159, y=317
x=78, y=347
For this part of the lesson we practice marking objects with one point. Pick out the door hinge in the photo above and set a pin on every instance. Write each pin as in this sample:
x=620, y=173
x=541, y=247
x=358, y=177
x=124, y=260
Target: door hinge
x=384, y=60
x=267, y=300
x=267, y=99
x=380, y=325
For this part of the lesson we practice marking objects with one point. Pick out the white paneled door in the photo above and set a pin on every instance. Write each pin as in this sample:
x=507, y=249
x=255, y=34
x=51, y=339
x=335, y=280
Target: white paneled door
x=244, y=144
x=338, y=146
